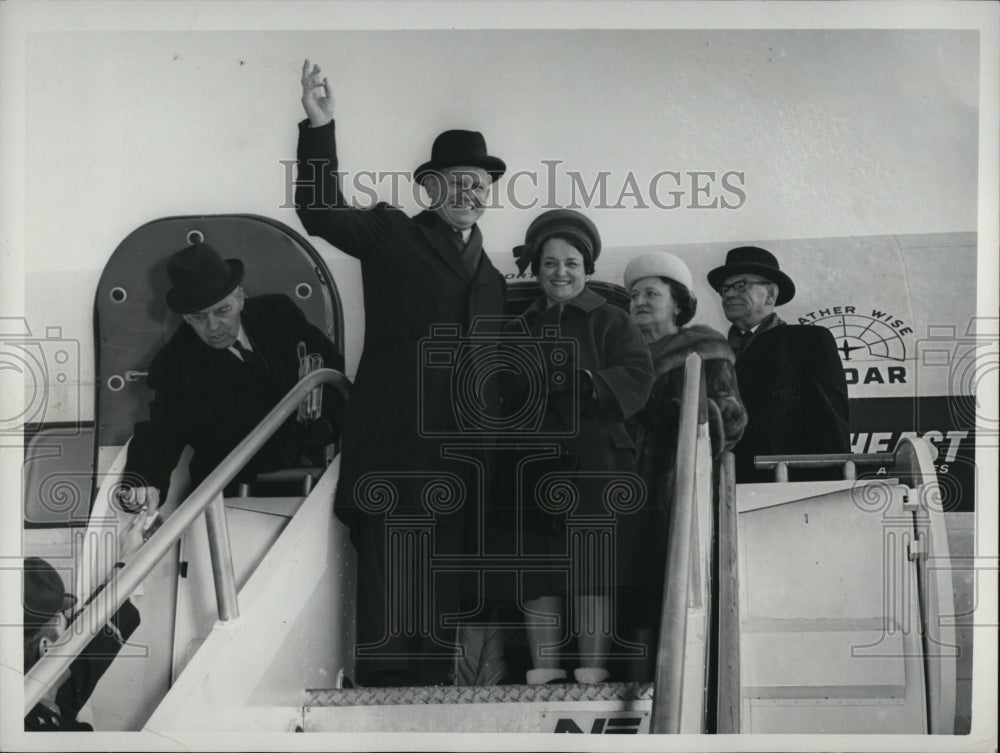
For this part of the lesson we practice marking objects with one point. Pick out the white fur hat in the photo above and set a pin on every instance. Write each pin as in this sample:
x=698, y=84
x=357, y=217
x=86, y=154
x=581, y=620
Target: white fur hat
x=659, y=264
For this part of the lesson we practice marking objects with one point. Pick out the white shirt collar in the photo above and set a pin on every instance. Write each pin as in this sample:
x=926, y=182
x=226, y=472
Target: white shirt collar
x=243, y=340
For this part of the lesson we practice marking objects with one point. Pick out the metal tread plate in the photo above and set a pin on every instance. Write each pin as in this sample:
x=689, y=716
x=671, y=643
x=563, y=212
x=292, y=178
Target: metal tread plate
x=448, y=694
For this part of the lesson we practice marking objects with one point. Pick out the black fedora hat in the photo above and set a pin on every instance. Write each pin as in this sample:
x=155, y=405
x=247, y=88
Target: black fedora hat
x=200, y=278
x=459, y=148
x=757, y=261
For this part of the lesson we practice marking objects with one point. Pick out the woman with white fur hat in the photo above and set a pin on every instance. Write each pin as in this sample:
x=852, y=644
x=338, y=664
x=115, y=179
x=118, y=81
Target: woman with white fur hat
x=662, y=304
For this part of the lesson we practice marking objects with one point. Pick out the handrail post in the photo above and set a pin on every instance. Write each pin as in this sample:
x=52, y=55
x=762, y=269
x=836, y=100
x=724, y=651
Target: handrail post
x=222, y=559
x=669, y=680
x=728, y=680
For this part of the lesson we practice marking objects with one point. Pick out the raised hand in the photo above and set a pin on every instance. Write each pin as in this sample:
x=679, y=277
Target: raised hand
x=317, y=100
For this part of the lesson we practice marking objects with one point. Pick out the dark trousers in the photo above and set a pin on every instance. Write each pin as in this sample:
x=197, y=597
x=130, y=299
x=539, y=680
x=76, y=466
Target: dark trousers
x=402, y=634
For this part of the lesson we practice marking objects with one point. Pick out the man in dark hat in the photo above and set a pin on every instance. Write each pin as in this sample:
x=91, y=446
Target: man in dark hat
x=790, y=376
x=45, y=605
x=418, y=272
x=219, y=374
x=45, y=598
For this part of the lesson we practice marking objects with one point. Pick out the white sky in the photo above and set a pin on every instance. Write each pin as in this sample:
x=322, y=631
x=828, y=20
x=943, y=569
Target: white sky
x=833, y=132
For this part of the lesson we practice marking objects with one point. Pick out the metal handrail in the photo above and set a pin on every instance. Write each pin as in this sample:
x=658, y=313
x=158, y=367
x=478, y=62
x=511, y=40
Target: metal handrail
x=728, y=682
x=669, y=679
x=49, y=668
x=845, y=460
x=830, y=460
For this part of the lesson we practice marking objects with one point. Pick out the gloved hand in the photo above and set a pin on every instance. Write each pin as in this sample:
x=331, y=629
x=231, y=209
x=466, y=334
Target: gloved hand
x=306, y=445
x=317, y=432
x=661, y=415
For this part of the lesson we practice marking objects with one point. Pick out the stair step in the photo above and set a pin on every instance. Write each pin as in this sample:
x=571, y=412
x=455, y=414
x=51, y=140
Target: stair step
x=566, y=691
x=605, y=708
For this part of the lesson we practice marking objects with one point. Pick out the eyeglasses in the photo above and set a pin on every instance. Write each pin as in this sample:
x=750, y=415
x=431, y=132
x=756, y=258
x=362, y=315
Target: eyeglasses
x=740, y=286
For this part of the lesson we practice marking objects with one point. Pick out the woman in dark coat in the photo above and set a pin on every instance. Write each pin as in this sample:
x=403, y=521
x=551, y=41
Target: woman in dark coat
x=577, y=471
x=662, y=304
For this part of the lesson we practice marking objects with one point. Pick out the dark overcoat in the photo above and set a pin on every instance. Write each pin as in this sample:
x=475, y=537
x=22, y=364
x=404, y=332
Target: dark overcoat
x=413, y=279
x=643, y=537
x=793, y=386
x=591, y=429
x=209, y=399
x=588, y=478
x=395, y=480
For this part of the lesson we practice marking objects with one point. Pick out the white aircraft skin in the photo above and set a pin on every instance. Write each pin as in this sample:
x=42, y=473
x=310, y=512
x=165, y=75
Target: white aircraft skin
x=687, y=141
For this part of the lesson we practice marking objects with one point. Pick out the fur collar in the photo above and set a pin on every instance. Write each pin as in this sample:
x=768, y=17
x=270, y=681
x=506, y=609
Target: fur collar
x=670, y=351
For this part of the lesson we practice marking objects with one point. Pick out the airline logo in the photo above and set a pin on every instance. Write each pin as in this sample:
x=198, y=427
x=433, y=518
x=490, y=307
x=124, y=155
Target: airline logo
x=597, y=722
x=871, y=342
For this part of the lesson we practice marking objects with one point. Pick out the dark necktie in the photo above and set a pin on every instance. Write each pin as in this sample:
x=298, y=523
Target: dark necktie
x=248, y=356
x=738, y=340
x=469, y=254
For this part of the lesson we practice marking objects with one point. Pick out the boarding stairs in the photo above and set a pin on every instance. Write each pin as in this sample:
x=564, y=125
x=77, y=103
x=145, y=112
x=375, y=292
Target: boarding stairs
x=677, y=700
x=826, y=603
x=219, y=667
x=829, y=605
